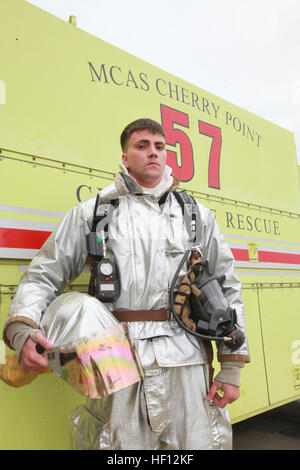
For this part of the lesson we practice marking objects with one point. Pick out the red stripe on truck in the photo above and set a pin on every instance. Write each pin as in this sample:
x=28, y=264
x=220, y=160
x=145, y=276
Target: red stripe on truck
x=20, y=238
x=275, y=257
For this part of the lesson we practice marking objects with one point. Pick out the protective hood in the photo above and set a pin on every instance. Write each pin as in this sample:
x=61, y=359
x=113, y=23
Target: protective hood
x=125, y=184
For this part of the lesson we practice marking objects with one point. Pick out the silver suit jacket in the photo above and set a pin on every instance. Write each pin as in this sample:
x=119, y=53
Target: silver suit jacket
x=147, y=242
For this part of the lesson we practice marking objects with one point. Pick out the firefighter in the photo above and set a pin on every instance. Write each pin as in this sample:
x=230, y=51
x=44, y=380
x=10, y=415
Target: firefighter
x=175, y=405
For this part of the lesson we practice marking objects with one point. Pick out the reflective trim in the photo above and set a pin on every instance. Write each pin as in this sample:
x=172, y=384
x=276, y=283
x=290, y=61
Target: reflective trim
x=17, y=253
x=27, y=224
x=30, y=210
x=257, y=239
x=245, y=264
x=259, y=272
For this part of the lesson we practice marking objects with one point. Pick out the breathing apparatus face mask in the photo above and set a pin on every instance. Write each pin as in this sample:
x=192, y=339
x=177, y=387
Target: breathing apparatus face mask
x=200, y=307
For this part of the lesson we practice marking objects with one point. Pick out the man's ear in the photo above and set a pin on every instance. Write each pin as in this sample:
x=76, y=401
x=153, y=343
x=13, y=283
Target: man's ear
x=125, y=160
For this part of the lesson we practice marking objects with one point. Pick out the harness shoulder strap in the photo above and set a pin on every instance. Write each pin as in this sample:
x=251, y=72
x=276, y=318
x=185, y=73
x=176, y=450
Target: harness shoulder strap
x=190, y=214
x=94, y=224
x=102, y=215
x=103, y=210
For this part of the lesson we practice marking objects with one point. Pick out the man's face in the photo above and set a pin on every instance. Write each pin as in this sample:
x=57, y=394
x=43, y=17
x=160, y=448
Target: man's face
x=145, y=157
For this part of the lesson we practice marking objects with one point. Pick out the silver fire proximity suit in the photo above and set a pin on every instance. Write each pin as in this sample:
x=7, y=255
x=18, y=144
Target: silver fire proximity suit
x=147, y=242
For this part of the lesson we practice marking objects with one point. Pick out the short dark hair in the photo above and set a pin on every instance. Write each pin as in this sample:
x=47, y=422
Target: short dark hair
x=139, y=125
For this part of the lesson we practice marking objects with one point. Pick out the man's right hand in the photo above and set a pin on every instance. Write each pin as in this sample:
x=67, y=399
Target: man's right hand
x=30, y=360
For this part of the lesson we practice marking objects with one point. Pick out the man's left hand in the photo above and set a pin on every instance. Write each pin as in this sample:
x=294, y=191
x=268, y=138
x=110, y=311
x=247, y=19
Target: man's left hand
x=230, y=394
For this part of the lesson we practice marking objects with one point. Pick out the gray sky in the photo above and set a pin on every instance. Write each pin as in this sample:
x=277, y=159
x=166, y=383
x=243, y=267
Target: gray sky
x=244, y=51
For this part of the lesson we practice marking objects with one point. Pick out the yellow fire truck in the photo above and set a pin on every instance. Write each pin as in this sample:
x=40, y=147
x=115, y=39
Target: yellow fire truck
x=65, y=96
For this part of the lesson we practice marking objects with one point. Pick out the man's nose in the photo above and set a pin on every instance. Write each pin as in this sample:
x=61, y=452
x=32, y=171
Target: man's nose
x=153, y=151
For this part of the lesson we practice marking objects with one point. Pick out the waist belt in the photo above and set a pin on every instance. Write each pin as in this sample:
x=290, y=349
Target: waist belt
x=142, y=315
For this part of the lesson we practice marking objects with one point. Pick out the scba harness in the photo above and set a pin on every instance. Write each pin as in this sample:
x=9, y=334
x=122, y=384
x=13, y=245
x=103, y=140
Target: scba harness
x=104, y=282
x=199, y=305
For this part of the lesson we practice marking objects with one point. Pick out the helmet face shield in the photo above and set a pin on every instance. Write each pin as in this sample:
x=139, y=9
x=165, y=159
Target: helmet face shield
x=101, y=364
x=92, y=351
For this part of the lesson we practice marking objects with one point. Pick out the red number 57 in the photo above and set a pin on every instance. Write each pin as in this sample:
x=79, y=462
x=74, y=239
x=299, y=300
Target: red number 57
x=185, y=169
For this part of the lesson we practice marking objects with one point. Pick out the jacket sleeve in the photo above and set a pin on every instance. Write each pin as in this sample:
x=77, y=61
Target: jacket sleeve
x=221, y=261
x=59, y=261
